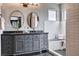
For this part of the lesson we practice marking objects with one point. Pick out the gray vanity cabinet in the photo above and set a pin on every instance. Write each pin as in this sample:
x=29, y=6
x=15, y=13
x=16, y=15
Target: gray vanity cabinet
x=36, y=43
x=28, y=44
x=23, y=44
x=6, y=45
x=19, y=44
x=43, y=42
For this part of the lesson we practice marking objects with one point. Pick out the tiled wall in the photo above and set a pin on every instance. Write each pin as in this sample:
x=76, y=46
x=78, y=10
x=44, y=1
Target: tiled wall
x=53, y=29
x=72, y=29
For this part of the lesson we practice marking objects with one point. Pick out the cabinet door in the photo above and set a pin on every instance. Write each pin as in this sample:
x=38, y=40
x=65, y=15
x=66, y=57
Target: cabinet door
x=41, y=42
x=28, y=44
x=6, y=45
x=44, y=42
x=19, y=44
x=36, y=43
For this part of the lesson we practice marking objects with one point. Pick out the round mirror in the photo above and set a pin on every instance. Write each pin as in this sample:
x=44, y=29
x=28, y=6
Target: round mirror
x=16, y=19
x=32, y=20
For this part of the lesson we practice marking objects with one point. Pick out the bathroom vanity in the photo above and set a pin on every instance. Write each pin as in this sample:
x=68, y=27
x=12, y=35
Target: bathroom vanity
x=19, y=43
x=23, y=43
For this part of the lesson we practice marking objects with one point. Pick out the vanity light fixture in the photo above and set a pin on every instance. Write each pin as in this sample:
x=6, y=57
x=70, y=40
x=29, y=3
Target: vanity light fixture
x=30, y=4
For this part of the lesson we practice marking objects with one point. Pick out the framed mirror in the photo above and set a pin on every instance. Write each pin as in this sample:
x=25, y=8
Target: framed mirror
x=16, y=19
x=32, y=20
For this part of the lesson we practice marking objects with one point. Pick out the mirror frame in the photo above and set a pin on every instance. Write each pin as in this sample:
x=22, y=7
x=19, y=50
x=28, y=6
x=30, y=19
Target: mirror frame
x=28, y=16
x=22, y=22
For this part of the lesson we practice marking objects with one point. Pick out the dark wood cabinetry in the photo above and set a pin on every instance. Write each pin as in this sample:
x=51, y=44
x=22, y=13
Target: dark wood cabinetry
x=17, y=44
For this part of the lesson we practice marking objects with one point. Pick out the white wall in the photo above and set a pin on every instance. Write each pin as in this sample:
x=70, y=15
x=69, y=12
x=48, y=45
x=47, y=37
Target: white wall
x=42, y=11
x=56, y=27
x=52, y=27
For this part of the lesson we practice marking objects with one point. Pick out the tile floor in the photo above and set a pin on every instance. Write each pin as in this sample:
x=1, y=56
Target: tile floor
x=44, y=54
x=62, y=52
x=39, y=54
